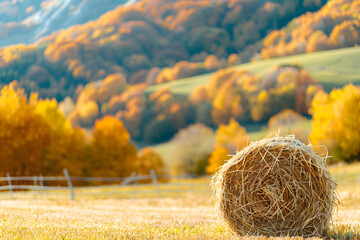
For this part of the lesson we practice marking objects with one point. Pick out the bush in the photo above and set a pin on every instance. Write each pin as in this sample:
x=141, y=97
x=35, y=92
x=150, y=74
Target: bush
x=192, y=148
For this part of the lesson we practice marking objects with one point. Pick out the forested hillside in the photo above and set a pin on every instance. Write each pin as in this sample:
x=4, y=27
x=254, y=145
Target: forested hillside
x=142, y=39
x=229, y=93
x=335, y=25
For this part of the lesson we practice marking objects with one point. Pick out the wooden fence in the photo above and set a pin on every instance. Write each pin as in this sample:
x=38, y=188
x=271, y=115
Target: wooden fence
x=126, y=188
x=37, y=185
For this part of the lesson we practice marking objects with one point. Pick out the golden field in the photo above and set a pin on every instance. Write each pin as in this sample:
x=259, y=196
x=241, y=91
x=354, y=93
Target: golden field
x=189, y=216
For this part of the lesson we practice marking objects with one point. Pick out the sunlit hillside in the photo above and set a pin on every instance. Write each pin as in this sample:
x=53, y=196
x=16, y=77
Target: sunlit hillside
x=332, y=68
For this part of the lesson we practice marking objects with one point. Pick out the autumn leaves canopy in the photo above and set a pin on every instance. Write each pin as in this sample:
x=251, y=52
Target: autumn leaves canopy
x=37, y=139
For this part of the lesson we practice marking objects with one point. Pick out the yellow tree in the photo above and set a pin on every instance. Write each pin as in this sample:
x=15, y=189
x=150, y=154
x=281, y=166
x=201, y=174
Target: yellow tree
x=217, y=158
x=231, y=136
x=228, y=139
x=336, y=122
x=113, y=154
x=24, y=134
x=67, y=146
x=226, y=104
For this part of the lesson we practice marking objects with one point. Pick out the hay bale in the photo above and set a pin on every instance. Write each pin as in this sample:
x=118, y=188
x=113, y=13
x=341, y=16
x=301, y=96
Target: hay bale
x=275, y=187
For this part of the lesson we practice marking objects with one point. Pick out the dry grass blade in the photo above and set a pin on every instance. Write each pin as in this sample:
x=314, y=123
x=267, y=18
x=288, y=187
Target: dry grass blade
x=275, y=187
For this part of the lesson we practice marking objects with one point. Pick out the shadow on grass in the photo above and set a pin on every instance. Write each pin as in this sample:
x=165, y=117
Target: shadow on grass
x=343, y=236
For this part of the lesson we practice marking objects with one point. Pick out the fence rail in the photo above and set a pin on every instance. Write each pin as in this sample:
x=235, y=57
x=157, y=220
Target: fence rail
x=122, y=188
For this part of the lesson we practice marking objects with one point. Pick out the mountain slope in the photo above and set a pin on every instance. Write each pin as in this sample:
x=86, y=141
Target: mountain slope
x=26, y=21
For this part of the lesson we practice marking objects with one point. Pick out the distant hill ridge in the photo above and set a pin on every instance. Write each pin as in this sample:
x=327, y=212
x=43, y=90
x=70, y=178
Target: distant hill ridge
x=137, y=39
x=26, y=21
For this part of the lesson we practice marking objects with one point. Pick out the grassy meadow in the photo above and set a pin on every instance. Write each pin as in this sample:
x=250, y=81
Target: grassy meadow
x=332, y=68
x=189, y=216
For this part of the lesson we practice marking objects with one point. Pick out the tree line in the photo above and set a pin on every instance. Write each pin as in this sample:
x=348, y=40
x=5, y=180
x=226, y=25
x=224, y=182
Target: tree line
x=36, y=139
x=156, y=116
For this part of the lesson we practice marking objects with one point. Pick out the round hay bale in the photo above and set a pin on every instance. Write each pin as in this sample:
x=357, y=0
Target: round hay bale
x=275, y=187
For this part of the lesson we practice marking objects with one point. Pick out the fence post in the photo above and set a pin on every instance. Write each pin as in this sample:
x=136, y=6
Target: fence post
x=153, y=176
x=10, y=186
x=35, y=185
x=41, y=180
x=129, y=179
x=68, y=179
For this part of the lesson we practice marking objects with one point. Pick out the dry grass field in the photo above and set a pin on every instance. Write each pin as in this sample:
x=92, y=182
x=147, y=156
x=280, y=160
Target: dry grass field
x=185, y=217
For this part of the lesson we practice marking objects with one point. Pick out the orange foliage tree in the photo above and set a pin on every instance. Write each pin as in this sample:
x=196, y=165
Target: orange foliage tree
x=149, y=159
x=113, y=154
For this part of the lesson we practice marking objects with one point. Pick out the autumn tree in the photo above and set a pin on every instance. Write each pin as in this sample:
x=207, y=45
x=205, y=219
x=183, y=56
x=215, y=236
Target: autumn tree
x=113, y=154
x=88, y=113
x=229, y=139
x=336, y=122
x=66, y=147
x=132, y=117
x=212, y=63
x=149, y=160
x=217, y=159
x=227, y=104
x=24, y=134
x=38, y=138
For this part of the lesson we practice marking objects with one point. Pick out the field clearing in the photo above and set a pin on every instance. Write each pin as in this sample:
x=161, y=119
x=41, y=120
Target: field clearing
x=332, y=68
x=190, y=216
